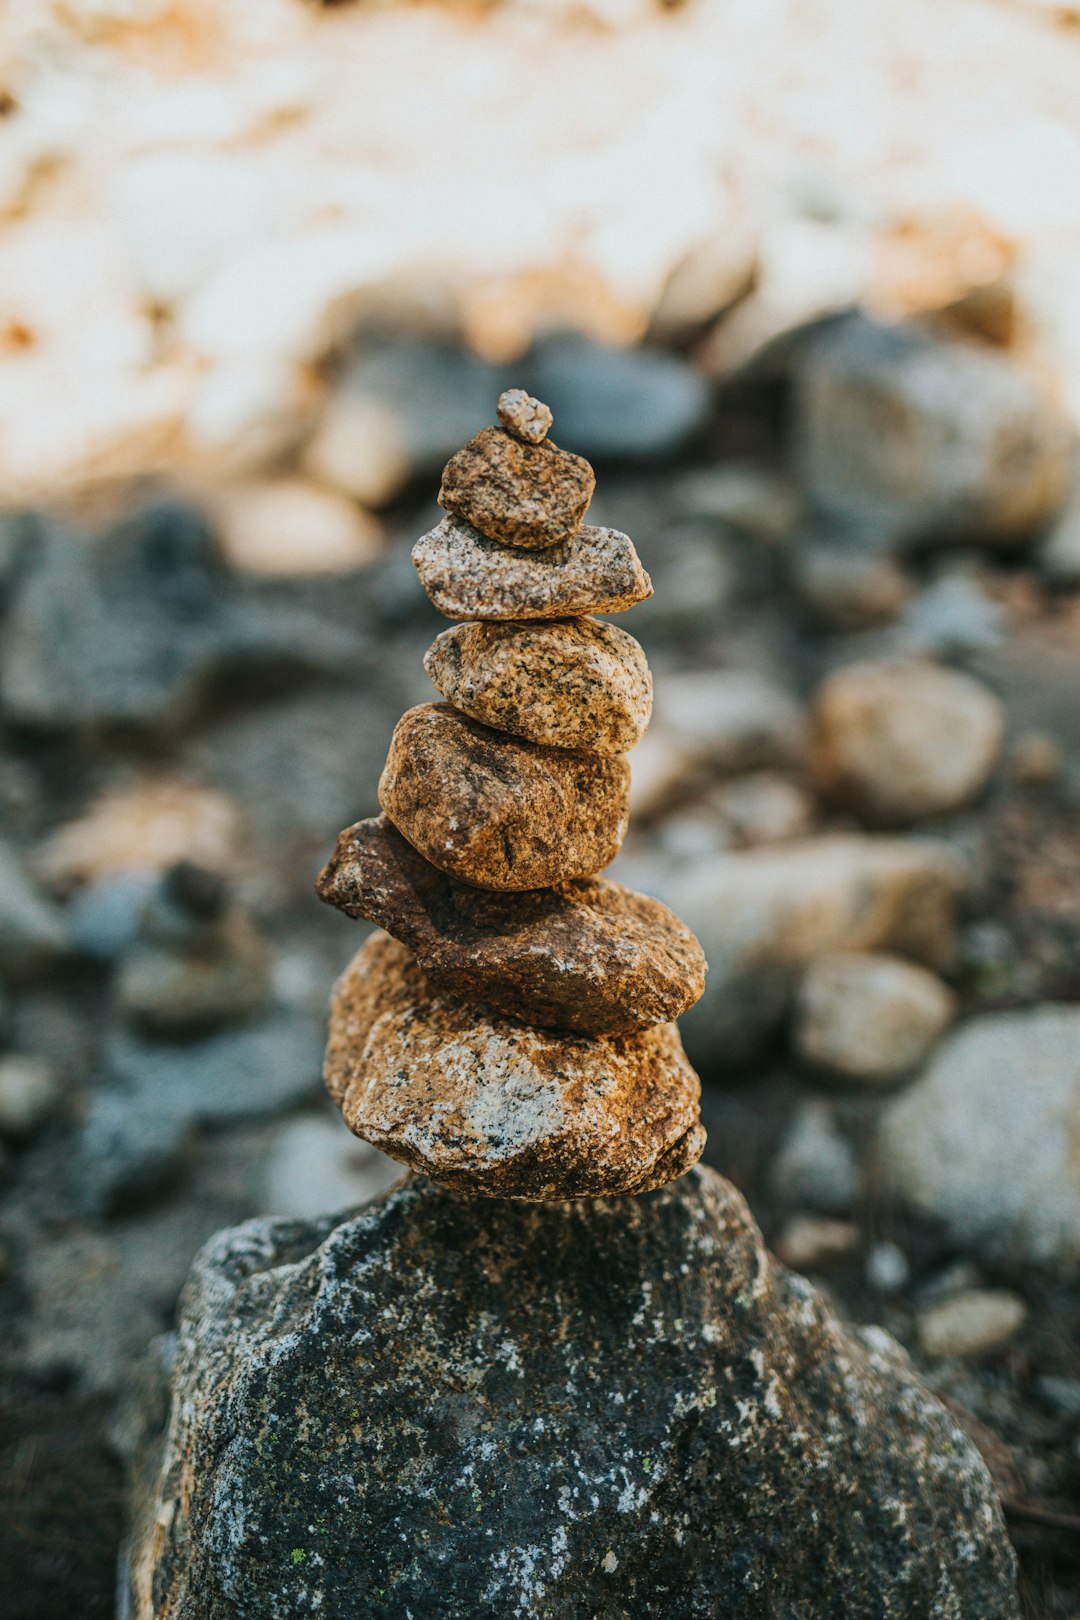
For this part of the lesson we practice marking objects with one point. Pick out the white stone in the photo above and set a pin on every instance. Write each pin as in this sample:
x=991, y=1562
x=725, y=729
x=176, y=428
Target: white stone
x=984, y=1141
x=315, y=1166
x=288, y=526
x=731, y=719
x=30, y=1091
x=869, y=1018
x=974, y=1322
x=816, y=1167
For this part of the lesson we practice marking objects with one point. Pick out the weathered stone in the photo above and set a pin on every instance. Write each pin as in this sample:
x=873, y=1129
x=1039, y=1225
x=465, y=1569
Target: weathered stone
x=499, y=813
x=619, y=1407
x=816, y=1167
x=178, y=989
x=972, y=1322
x=935, y=439
x=469, y=577
x=732, y=719
x=763, y=915
x=526, y=418
x=869, y=1017
x=984, y=1142
x=589, y=955
x=570, y=683
x=528, y=495
x=901, y=742
x=497, y=1108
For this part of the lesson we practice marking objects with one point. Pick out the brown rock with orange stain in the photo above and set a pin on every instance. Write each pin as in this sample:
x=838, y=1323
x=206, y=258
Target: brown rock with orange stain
x=496, y=1108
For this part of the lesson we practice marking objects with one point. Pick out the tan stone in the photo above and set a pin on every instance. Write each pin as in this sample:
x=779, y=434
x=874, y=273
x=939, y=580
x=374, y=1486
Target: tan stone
x=526, y=418
x=589, y=955
x=569, y=683
x=469, y=577
x=527, y=495
x=498, y=813
x=492, y=1107
x=898, y=742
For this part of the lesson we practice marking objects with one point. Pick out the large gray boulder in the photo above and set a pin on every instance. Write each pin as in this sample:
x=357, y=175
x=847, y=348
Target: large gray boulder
x=448, y=1407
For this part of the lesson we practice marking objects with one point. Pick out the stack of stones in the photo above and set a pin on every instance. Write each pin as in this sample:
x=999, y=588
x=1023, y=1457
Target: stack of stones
x=509, y=1031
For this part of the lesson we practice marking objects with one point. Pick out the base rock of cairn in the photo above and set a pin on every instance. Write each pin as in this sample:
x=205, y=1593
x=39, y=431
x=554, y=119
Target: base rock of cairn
x=448, y=1408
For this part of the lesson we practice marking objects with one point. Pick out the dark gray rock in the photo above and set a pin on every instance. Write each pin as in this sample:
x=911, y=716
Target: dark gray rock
x=613, y=404
x=32, y=931
x=130, y=1150
x=129, y=628
x=449, y=1407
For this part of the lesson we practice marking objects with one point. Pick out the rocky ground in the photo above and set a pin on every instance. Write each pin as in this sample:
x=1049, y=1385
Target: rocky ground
x=861, y=788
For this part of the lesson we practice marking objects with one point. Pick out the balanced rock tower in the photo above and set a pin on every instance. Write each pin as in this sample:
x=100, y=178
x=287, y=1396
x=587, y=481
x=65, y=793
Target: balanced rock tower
x=510, y=1032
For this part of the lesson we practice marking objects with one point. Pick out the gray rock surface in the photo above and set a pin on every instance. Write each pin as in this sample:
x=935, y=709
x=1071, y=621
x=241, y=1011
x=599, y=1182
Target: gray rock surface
x=446, y=1407
x=985, y=1140
x=617, y=403
x=933, y=438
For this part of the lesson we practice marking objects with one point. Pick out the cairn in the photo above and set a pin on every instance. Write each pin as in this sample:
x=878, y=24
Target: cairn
x=510, y=1031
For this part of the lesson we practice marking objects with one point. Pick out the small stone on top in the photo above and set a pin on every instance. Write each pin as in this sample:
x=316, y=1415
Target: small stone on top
x=526, y=418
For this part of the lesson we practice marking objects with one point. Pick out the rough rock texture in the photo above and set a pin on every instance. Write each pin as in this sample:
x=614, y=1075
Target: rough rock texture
x=499, y=813
x=528, y=495
x=934, y=439
x=443, y=1407
x=590, y=955
x=763, y=915
x=869, y=1017
x=469, y=577
x=985, y=1142
x=526, y=418
x=495, y=1108
x=571, y=683
x=900, y=742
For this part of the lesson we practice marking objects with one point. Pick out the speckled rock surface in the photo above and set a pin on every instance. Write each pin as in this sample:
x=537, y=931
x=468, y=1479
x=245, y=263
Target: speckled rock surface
x=447, y=1408
x=468, y=577
x=499, y=813
x=899, y=742
x=526, y=418
x=571, y=683
x=527, y=495
x=493, y=1107
x=590, y=955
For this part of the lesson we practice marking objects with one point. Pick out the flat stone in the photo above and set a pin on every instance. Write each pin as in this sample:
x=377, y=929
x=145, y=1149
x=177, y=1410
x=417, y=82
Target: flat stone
x=496, y=1108
x=527, y=495
x=499, y=813
x=526, y=418
x=469, y=577
x=437, y=1406
x=589, y=956
x=971, y=1323
x=901, y=742
x=869, y=1018
x=571, y=683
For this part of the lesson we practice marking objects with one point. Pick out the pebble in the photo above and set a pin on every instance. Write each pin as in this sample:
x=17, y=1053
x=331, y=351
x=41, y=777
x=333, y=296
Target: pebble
x=816, y=1167
x=976, y=1322
x=900, y=743
x=470, y=577
x=816, y=1243
x=493, y=1107
x=846, y=588
x=590, y=956
x=763, y=915
x=532, y=496
x=732, y=719
x=888, y=1270
x=753, y=501
x=1059, y=553
x=143, y=830
x=761, y=807
x=972, y=447
x=576, y=683
x=981, y=1143
x=30, y=1092
x=289, y=527
x=313, y=1167
x=618, y=404
x=178, y=991
x=498, y=813
x=33, y=935
x=528, y=419
x=869, y=1018
x=131, y=1149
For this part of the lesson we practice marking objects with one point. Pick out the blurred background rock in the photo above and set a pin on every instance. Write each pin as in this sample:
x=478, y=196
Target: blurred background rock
x=801, y=280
